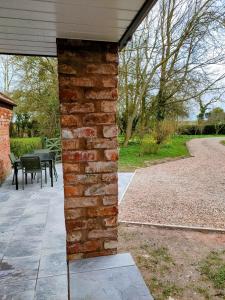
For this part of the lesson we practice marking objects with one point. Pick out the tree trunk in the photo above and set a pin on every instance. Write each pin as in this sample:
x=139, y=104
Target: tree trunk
x=128, y=132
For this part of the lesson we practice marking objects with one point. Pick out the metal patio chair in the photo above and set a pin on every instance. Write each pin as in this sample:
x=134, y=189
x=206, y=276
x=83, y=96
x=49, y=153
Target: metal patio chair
x=14, y=161
x=31, y=165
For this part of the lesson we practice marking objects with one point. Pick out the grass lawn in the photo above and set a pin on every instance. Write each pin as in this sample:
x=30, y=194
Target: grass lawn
x=130, y=157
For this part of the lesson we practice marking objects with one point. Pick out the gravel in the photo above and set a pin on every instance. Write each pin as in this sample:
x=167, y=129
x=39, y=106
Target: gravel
x=188, y=192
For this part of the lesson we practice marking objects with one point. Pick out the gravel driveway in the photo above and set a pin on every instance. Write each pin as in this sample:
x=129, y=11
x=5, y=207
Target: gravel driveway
x=189, y=192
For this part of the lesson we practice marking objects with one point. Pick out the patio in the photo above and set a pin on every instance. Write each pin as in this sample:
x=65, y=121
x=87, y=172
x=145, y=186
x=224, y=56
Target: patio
x=33, y=243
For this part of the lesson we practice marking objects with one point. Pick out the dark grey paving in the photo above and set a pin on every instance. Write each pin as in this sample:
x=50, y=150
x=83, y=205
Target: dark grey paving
x=14, y=289
x=33, y=251
x=53, y=264
x=123, y=283
x=19, y=267
x=52, y=288
x=32, y=241
x=23, y=248
x=8, y=223
x=5, y=238
x=99, y=263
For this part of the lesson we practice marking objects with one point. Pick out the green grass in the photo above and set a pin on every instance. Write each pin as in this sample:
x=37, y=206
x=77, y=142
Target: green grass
x=213, y=268
x=130, y=157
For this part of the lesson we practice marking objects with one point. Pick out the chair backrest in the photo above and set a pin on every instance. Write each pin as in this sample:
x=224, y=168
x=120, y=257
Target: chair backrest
x=12, y=158
x=31, y=163
x=53, y=155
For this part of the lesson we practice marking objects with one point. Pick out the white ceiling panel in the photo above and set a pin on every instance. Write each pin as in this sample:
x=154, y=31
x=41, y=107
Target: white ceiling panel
x=32, y=26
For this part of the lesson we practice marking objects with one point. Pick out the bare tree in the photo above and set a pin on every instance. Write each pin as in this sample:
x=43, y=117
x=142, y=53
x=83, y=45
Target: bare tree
x=8, y=74
x=169, y=56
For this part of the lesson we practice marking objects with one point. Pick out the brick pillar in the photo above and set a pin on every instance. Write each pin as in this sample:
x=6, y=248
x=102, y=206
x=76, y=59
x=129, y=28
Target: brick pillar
x=88, y=94
x=5, y=165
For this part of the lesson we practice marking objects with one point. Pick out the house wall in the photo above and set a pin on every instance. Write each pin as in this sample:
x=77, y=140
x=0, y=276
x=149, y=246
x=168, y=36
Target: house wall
x=5, y=165
x=88, y=94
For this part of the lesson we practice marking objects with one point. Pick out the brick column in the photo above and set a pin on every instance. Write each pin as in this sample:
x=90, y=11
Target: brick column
x=5, y=165
x=88, y=93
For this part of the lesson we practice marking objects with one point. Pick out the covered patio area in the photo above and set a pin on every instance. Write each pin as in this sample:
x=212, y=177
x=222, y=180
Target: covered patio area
x=33, y=245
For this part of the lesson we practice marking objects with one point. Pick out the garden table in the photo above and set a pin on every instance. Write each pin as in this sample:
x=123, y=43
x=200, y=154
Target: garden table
x=45, y=157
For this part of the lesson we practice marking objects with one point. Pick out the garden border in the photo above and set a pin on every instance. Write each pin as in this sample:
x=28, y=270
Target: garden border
x=176, y=227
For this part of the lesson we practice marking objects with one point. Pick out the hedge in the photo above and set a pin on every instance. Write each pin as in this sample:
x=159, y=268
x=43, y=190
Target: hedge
x=20, y=146
x=206, y=129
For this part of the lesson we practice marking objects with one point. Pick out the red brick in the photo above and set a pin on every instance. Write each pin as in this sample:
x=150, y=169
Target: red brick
x=90, y=155
x=111, y=155
x=108, y=106
x=107, y=69
x=110, y=233
x=101, y=167
x=82, y=178
x=74, y=236
x=72, y=214
x=71, y=168
x=70, y=95
x=110, y=200
x=66, y=69
x=70, y=144
x=110, y=131
x=99, y=119
x=5, y=165
x=101, y=143
x=74, y=225
x=81, y=202
x=110, y=222
x=112, y=57
x=103, y=94
x=88, y=246
x=104, y=252
x=76, y=107
x=110, y=82
x=70, y=120
x=71, y=191
x=110, y=177
x=71, y=82
x=102, y=211
x=102, y=189
x=82, y=132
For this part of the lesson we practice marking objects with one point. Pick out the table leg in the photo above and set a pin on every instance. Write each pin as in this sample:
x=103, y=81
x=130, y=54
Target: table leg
x=16, y=176
x=51, y=172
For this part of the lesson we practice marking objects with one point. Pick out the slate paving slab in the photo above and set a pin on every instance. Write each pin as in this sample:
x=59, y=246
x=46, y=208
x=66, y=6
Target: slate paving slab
x=111, y=277
x=52, y=265
x=52, y=288
x=19, y=267
x=14, y=289
x=104, y=262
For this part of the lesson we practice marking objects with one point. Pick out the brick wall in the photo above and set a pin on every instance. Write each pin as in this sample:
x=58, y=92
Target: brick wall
x=5, y=165
x=88, y=94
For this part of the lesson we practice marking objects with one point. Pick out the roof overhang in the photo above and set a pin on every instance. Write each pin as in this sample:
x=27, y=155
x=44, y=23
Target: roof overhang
x=30, y=27
x=6, y=101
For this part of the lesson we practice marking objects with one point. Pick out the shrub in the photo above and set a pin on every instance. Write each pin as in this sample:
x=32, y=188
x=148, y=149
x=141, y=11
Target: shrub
x=148, y=145
x=162, y=131
x=196, y=129
x=21, y=146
